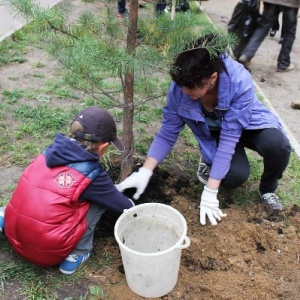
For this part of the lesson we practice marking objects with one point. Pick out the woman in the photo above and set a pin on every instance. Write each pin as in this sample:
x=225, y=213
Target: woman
x=214, y=95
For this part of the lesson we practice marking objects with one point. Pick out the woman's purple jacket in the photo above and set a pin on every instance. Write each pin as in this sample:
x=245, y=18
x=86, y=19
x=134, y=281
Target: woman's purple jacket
x=238, y=107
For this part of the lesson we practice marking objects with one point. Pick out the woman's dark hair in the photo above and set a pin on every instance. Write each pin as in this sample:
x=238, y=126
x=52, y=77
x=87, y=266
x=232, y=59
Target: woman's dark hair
x=193, y=66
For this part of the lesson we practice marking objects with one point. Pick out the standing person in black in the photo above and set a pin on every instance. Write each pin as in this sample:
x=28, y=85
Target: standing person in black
x=289, y=10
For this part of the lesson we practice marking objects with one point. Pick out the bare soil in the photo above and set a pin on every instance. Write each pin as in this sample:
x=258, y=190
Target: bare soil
x=248, y=256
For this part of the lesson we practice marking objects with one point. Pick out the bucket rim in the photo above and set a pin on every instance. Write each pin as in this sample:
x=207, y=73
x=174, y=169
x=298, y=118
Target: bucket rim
x=177, y=245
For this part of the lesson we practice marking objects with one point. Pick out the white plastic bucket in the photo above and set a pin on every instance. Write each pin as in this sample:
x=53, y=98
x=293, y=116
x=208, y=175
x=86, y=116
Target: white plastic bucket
x=150, y=237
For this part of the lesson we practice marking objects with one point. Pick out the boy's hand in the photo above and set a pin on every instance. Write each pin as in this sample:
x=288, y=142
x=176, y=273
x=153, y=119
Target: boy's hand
x=138, y=180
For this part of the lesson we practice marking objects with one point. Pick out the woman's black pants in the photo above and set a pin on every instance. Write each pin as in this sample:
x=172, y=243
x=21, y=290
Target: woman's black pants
x=272, y=145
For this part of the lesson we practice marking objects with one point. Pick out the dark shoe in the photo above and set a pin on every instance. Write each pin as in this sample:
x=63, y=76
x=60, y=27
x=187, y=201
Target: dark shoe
x=245, y=61
x=280, y=40
x=73, y=262
x=203, y=171
x=271, y=203
x=287, y=69
x=273, y=32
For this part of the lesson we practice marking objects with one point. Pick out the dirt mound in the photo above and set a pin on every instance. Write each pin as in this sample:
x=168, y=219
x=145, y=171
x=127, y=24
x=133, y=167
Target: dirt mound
x=246, y=256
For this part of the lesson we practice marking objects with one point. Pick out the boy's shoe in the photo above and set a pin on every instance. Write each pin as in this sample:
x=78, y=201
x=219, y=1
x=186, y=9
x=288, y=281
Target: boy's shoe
x=73, y=262
x=287, y=69
x=203, y=171
x=271, y=202
x=280, y=40
x=1, y=222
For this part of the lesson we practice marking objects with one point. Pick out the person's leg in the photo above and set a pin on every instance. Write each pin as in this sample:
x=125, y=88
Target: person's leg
x=93, y=216
x=239, y=169
x=276, y=25
x=289, y=20
x=275, y=149
x=268, y=18
x=274, y=29
x=160, y=7
x=83, y=249
x=121, y=7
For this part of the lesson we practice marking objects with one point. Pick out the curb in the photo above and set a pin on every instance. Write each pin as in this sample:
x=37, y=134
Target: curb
x=9, y=33
x=21, y=24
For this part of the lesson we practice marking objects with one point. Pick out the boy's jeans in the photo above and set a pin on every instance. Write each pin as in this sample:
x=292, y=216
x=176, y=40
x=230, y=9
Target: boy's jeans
x=93, y=216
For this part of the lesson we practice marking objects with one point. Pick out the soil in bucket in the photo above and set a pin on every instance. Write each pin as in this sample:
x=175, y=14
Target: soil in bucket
x=151, y=237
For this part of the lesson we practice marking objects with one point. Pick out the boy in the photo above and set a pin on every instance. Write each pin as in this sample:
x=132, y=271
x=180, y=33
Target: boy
x=63, y=193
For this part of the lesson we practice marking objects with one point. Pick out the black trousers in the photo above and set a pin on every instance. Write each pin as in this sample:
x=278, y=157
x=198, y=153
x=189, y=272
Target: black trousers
x=265, y=23
x=275, y=149
x=121, y=6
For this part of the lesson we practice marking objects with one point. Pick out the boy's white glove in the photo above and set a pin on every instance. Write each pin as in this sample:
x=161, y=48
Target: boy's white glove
x=138, y=180
x=209, y=205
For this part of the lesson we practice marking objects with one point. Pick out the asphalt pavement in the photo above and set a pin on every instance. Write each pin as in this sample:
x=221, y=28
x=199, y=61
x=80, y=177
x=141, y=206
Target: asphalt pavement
x=278, y=90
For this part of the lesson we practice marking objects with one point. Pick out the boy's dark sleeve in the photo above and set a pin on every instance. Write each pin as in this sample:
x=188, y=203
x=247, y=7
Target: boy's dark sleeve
x=103, y=192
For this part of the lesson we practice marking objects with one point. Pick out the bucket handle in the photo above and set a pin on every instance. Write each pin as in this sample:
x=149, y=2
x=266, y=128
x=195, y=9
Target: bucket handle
x=185, y=244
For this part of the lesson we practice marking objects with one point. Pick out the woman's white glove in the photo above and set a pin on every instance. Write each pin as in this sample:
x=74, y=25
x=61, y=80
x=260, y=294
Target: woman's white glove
x=209, y=205
x=138, y=180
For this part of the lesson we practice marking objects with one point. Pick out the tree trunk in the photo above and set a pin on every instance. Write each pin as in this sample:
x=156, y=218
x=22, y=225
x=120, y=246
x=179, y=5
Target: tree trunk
x=128, y=111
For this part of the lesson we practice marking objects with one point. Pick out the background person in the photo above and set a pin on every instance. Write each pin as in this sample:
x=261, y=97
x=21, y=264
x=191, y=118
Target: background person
x=215, y=97
x=289, y=9
x=276, y=27
x=243, y=23
x=63, y=193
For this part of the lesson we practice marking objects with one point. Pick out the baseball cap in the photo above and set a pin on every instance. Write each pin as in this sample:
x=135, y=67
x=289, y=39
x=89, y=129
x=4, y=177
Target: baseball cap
x=98, y=126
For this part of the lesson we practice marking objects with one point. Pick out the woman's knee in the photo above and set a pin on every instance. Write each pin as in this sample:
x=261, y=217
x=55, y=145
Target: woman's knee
x=278, y=146
x=235, y=179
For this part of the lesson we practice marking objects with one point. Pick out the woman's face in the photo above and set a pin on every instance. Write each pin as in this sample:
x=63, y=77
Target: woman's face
x=207, y=86
x=197, y=92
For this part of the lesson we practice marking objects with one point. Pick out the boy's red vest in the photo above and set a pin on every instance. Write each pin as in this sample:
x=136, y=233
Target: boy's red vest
x=43, y=220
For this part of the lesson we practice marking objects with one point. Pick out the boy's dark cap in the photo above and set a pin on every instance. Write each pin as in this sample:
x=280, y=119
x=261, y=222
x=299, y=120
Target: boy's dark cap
x=98, y=126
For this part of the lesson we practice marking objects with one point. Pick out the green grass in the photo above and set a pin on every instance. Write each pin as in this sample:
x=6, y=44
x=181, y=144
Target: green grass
x=14, y=49
x=10, y=52
x=27, y=129
x=32, y=282
x=38, y=64
x=12, y=96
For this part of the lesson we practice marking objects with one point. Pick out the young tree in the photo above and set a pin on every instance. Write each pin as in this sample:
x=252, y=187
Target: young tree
x=97, y=48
